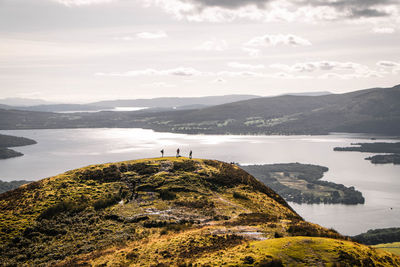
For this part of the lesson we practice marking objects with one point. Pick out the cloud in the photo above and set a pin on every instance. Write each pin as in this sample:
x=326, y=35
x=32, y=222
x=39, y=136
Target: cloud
x=321, y=66
x=276, y=40
x=160, y=84
x=244, y=66
x=82, y=2
x=371, y=74
x=276, y=10
x=180, y=71
x=213, y=45
x=240, y=74
x=219, y=80
x=289, y=76
x=151, y=35
x=253, y=52
x=394, y=66
x=335, y=69
x=388, y=64
x=321, y=69
x=386, y=30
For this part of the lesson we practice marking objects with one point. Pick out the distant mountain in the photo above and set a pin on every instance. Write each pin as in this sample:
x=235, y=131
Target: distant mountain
x=16, y=101
x=60, y=108
x=375, y=110
x=311, y=93
x=160, y=104
x=174, y=101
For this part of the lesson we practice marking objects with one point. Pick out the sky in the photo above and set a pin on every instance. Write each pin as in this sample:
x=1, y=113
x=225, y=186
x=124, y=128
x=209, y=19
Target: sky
x=78, y=51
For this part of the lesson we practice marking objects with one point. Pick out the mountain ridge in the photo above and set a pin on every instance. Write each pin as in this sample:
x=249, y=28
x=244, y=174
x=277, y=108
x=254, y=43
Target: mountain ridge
x=374, y=111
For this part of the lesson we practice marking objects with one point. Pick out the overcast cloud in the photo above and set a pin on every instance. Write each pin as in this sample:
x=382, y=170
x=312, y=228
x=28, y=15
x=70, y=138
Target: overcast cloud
x=270, y=10
x=88, y=50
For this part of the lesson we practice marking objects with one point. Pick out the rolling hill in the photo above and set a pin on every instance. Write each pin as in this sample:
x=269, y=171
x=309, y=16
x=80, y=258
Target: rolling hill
x=165, y=212
x=367, y=111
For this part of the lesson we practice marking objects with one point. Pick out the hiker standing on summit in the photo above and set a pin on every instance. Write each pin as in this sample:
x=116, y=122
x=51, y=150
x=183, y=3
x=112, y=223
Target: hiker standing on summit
x=190, y=154
x=162, y=153
x=177, y=153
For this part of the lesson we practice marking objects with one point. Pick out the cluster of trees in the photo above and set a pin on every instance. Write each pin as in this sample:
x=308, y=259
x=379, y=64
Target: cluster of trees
x=378, y=236
x=383, y=159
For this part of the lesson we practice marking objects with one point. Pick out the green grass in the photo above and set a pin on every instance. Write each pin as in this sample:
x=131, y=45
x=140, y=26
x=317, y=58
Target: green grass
x=390, y=247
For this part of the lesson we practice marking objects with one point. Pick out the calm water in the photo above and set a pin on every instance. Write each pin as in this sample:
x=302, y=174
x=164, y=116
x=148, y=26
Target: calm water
x=64, y=149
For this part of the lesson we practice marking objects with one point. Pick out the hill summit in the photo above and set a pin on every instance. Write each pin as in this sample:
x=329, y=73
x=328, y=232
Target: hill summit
x=165, y=212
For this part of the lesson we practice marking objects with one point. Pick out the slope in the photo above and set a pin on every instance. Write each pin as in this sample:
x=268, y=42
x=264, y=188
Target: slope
x=168, y=211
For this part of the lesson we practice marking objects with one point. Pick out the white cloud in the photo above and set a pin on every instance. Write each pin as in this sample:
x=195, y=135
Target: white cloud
x=160, y=84
x=253, y=52
x=279, y=39
x=387, y=30
x=322, y=70
x=245, y=66
x=336, y=69
x=370, y=74
x=240, y=73
x=82, y=2
x=180, y=71
x=321, y=66
x=388, y=64
x=219, y=80
x=213, y=45
x=151, y=35
x=289, y=76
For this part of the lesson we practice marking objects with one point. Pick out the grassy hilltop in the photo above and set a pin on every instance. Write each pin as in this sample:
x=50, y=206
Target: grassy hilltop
x=163, y=212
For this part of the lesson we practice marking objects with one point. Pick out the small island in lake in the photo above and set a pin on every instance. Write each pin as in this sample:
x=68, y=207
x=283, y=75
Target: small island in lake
x=12, y=141
x=6, y=153
x=392, y=150
x=300, y=183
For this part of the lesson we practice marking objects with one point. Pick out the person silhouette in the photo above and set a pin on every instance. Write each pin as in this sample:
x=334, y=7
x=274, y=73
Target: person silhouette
x=177, y=153
x=190, y=154
x=162, y=153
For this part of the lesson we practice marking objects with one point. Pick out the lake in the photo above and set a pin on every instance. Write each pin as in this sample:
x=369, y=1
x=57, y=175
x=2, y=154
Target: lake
x=63, y=149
